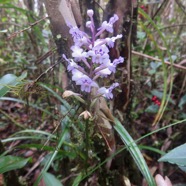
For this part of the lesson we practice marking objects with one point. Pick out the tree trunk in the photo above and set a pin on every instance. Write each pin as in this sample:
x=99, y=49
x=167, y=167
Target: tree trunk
x=59, y=27
x=60, y=13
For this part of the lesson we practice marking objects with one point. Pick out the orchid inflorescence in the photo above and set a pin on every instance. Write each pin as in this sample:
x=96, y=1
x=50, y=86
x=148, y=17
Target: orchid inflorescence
x=91, y=56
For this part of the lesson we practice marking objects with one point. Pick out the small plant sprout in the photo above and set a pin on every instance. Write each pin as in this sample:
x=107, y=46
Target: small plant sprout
x=91, y=59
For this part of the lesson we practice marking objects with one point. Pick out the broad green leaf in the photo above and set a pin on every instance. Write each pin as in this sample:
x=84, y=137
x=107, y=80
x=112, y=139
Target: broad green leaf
x=141, y=35
x=183, y=168
x=152, y=109
x=9, y=80
x=155, y=65
x=50, y=179
x=5, y=81
x=176, y=156
x=8, y=163
x=157, y=93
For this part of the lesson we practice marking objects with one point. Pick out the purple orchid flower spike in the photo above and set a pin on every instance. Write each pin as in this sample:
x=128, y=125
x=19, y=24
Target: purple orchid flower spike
x=91, y=58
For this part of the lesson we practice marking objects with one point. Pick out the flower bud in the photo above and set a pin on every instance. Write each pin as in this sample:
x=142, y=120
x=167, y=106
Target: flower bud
x=69, y=93
x=86, y=115
x=88, y=24
x=90, y=13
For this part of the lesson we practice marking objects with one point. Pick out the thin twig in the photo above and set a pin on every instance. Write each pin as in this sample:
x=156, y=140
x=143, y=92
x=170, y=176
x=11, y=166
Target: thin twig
x=31, y=25
x=57, y=126
x=99, y=5
x=170, y=26
x=47, y=70
x=181, y=6
x=156, y=59
x=37, y=163
x=46, y=55
x=68, y=177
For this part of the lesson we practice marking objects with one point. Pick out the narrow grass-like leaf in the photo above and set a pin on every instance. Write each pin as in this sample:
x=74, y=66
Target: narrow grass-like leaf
x=151, y=149
x=36, y=132
x=64, y=102
x=22, y=138
x=77, y=180
x=165, y=98
x=49, y=162
x=135, y=152
x=11, y=6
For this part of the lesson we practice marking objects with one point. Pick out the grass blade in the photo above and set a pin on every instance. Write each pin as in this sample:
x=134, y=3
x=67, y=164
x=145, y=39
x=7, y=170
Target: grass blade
x=135, y=152
x=49, y=162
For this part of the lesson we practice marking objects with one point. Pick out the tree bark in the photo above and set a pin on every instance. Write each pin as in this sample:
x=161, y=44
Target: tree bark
x=59, y=27
x=60, y=13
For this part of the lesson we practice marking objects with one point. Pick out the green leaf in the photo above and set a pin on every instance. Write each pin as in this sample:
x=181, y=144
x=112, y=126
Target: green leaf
x=157, y=93
x=183, y=168
x=9, y=80
x=135, y=152
x=9, y=5
x=5, y=81
x=155, y=65
x=176, y=156
x=151, y=149
x=141, y=35
x=53, y=155
x=8, y=163
x=5, y=1
x=77, y=180
x=50, y=179
x=182, y=102
x=152, y=109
